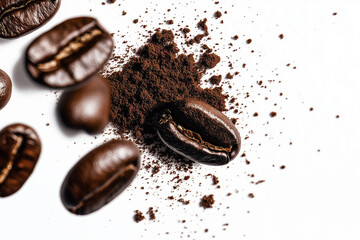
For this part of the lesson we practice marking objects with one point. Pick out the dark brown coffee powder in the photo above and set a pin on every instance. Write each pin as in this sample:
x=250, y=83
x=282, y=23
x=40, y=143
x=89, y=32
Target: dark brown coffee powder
x=156, y=76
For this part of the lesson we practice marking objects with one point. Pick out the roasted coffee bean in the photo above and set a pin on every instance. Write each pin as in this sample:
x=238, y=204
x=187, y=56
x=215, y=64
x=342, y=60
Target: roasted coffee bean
x=5, y=89
x=20, y=149
x=69, y=54
x=199, y=132
x=100, y=176
x=87, y=107
x=18, y=17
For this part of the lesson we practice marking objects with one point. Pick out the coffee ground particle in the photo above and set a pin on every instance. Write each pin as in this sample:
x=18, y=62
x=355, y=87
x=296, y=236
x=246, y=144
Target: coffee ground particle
x=273, y=114
x=207, y=201
x=229, y=76
x=138, y=217
x=215, y=80
x=251, y=195
x=281, y=36
x=217, y=14
x=170, y=22
x=209, y=60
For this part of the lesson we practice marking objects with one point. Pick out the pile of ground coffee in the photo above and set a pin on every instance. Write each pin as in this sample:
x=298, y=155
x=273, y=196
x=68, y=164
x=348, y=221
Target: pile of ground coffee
x=157, y=75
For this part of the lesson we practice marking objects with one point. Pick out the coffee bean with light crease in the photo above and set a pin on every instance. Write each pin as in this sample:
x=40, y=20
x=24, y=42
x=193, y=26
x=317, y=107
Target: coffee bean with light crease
x=70, y=53
x=100, y=176
x=18, y=17
x=20, y=149
x=199, y=132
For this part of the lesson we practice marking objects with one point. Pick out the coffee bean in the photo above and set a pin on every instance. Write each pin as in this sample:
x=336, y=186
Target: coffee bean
x=199, y=132
x=87, y=107
x=100, y=176
x=20, y=149
x=70, y=53
x=5, y=89
x=18, y=17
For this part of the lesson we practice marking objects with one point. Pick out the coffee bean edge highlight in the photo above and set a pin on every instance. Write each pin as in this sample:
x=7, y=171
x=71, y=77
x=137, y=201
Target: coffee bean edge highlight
x=86, y=107
x=20, y=149
x=16, y=25
x=100, y=176
x=5, y=89
x=68, y=54
x=198, y=132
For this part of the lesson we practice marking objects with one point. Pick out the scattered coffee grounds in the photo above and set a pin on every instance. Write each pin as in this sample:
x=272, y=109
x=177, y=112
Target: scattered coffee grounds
x=251, y=195
x=207, y=201
x=215, y=80
x=138, y=217
x=217, y=14
x=335, y=13
x=282, y=167
x=249, y=41
x=135, y=21
x=202, y=26
x=256, y=114
x=281, y=36
x=337, y=116
x=169, y=22
x=236, y=37
x=151, y=213
x=156, y=76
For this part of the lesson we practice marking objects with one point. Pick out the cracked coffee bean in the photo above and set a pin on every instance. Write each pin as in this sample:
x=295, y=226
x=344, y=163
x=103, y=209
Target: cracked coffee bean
x=18, y=17
x=69, y=54
x=87, y=107
x=100, y=176
x=20, y=148
x=5, y=89
x=199, y=132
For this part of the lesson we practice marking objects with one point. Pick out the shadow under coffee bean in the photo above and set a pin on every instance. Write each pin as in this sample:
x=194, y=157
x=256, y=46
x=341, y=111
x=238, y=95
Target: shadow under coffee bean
x=18, y=17
x=20, y=149
x=69, y=54
x=100, y=176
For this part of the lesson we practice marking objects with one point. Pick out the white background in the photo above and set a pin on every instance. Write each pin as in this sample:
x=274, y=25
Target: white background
x=315, y=197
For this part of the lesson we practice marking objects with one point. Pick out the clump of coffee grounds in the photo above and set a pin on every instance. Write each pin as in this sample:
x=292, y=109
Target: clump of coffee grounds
x=207, y=201
x=215, y=80
x=154, y=77
x=138, y=217
x=151, y=213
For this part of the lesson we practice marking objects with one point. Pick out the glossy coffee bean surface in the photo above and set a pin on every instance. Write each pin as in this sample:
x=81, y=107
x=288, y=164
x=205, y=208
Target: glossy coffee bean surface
x=87, y=107
x=20, y=149
x=100, y=176
x=69, y=54
x=5, y=89
x=199, y=132
x=18, y=17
